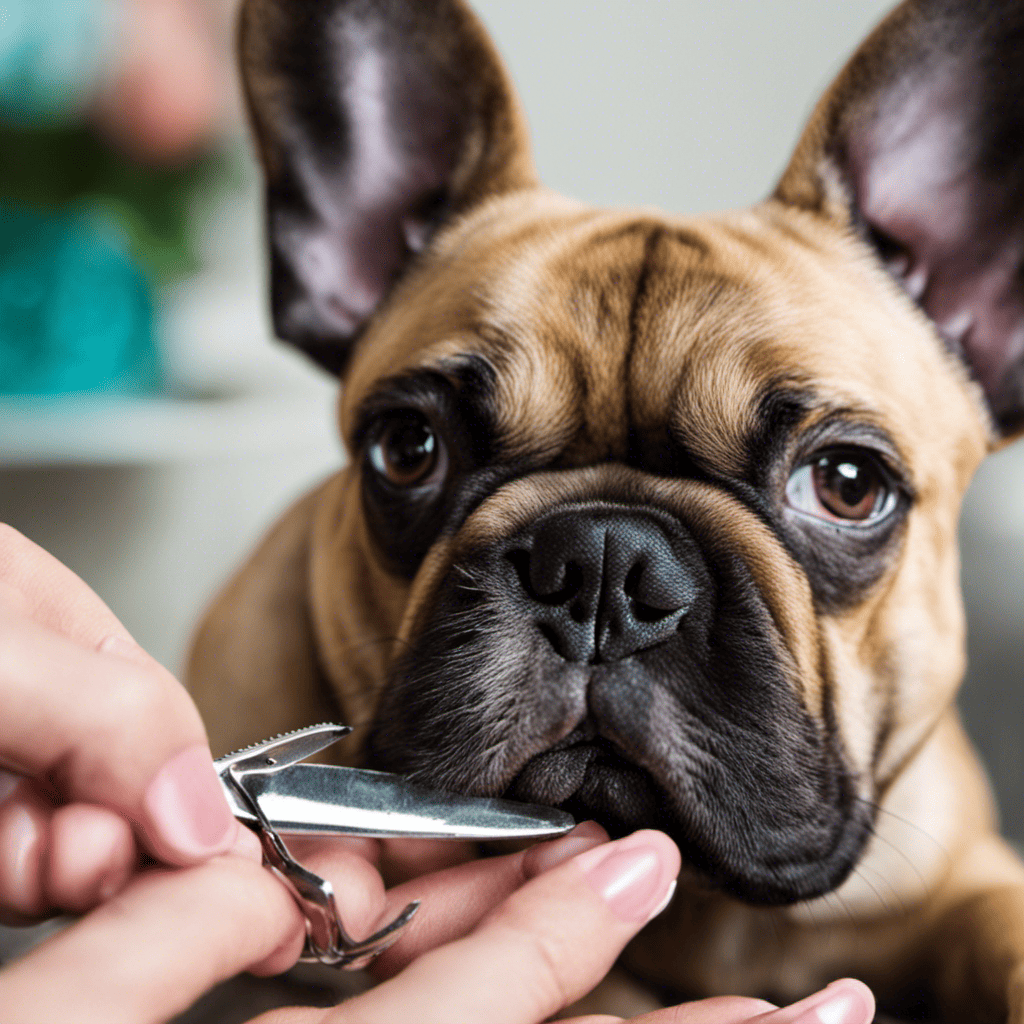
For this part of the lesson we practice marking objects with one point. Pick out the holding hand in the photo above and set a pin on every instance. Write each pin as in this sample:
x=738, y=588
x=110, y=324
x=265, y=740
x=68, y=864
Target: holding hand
x=104, y=750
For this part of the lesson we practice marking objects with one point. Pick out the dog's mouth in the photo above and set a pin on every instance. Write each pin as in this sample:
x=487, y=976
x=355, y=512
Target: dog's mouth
x=589, y=777
x=594, y=779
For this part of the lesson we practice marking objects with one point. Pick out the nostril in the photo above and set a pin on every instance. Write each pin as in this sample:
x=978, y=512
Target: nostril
x=631, y=584
x=578, y=613
x=572, y=582
x=645, y=613
x=568, y=582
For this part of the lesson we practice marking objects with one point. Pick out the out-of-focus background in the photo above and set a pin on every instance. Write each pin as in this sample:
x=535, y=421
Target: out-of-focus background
x=150, y=429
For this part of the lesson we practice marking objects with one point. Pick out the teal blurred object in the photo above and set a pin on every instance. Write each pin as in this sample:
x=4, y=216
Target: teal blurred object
x=51, y=54
x=76, y=314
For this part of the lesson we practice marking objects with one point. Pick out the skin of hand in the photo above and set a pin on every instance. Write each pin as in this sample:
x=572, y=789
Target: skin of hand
x=102, y=752
x=543, y=927
x=107, y=760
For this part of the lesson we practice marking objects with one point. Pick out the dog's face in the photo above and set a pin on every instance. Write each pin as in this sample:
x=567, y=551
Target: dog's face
x=648, y=517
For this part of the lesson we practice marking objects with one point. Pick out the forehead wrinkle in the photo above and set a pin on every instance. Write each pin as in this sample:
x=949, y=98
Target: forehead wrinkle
x=534, y=414
x=698, y=367
x=569, y=351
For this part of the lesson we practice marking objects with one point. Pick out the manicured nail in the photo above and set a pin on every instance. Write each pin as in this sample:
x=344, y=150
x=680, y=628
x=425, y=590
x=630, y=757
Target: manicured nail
x=629, y=876
x=20, y=840
x=545, y=856
x=122, y=648
x=663, y=905
x=842, y=1002
x=186, y=804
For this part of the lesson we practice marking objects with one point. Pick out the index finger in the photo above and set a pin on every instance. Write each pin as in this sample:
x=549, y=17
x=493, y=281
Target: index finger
x=108, y=731
x=152, y=950
x=557, y=937
x=36, y=584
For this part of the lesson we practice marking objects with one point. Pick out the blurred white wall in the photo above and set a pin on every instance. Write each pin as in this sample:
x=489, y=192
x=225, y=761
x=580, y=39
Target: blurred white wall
x=681, y=104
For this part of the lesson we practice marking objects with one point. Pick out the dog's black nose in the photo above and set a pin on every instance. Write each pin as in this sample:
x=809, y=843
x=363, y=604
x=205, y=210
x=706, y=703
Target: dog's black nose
x=603, y=584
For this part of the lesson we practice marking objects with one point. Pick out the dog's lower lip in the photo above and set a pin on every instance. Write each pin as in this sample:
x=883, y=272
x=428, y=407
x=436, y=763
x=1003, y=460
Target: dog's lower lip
x=590, y=778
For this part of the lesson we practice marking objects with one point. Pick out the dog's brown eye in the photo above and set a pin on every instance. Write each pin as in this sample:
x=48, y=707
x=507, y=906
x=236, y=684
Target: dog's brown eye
x=407, y=451
x=842, y=486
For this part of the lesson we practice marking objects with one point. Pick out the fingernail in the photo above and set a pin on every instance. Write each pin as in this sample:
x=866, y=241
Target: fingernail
x=122, y=648
x=19, y=845
x=840, y=1003
x=663, y=905
x=629, y=877
x=545, y=856
x=186, y=804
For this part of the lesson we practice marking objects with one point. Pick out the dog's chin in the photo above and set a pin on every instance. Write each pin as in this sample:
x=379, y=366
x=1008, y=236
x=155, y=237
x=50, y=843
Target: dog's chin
x=592, y=780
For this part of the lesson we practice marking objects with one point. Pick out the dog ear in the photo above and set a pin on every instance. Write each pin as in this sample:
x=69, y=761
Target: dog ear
x=919, y=146
x=375, y=121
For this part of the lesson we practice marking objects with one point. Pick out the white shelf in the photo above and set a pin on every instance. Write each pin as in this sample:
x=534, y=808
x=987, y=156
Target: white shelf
x=104, y=430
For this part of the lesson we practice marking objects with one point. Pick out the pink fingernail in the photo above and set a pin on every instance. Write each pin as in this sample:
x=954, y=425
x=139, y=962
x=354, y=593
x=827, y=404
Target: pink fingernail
x=186, y=803
x=545, y=856
x=629, y=876
x=19, y=848
x=840, y=1004
x=122, y=648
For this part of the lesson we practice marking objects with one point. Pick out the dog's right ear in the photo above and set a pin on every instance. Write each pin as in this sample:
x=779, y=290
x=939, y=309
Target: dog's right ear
x=919, y=148
x=375, y=121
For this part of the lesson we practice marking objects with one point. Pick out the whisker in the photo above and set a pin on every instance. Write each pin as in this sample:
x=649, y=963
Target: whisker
x=859, y=871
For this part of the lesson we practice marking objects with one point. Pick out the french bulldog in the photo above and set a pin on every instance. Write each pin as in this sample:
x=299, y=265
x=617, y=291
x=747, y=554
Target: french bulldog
x=651, y=517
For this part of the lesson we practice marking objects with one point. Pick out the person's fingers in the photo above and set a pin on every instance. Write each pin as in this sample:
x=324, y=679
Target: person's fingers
x=38, y=586
x=455, y=901
x=107, y=730
x=67, y=859
x=149, y=952
x=843, y=1002
x=452, y=901
x=91, y=856
x=720, y=1010
x=557, y=936
x=24, y=833
x=404, y=859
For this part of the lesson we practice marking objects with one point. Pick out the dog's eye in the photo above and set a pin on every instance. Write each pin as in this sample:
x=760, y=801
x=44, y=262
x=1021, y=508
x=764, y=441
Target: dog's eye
x=407, y=451
x=842, y=486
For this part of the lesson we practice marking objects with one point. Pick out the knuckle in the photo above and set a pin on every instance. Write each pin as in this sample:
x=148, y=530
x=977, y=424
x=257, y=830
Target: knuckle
x=138, y=704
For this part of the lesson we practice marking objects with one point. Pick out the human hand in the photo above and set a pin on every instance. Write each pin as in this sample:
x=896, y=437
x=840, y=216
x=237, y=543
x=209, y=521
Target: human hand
x=545, y=945
x=105, y=752
x=169, y=936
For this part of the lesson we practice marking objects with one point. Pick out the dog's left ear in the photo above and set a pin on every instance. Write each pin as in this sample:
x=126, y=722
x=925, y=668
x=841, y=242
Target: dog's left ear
x=375, y=120
x=919, y=146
